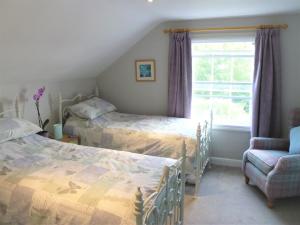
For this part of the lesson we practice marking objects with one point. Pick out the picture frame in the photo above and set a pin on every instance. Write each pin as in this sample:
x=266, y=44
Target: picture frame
x=145, y=70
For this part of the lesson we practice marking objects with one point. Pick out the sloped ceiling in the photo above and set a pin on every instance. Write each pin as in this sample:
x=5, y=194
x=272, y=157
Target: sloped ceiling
x=62, y=39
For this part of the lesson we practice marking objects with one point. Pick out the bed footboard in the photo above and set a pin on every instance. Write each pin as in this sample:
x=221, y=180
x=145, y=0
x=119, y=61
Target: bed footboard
x=203, y=151
x=166, y=205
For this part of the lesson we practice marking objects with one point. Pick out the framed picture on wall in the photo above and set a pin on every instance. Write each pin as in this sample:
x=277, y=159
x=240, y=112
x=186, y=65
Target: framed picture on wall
x=145, y=70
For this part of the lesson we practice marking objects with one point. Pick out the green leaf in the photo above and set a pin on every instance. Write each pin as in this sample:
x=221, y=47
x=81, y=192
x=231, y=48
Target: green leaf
x=45, y=124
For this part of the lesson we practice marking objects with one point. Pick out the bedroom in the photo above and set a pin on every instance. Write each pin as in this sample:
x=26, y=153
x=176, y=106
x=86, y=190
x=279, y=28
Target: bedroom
x=70, y=47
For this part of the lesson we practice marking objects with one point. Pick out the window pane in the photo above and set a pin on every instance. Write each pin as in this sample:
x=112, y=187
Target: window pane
x=222, y=69
x=229, y=111
x=202, y=68
x=222, y=81
x=241, y=69
x=241, y=94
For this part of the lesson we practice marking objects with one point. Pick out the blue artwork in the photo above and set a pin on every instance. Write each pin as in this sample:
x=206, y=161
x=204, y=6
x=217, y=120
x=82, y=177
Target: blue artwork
x=145, y=70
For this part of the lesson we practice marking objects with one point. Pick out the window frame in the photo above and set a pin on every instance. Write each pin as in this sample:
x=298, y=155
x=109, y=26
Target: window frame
x=234, y=37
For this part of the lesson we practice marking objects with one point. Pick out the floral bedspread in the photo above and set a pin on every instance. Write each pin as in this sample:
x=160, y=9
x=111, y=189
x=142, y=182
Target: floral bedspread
x=150, y=135
x=43, y=181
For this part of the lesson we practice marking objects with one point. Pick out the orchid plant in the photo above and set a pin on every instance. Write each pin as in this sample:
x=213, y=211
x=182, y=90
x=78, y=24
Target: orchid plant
x=36, y=97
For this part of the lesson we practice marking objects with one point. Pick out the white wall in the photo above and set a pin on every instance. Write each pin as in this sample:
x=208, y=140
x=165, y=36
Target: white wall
x=67, y=39
x=49, y=102
x=118, y=85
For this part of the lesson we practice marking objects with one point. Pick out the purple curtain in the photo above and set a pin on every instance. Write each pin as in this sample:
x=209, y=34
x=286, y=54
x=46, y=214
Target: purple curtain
x=180, y=75
x=267, y=84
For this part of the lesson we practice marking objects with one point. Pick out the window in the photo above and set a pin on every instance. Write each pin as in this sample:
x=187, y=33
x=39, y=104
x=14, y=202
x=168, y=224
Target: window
x=222, y=81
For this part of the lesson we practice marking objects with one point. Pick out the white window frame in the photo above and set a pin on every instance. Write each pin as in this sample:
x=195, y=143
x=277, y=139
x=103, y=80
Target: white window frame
x=232, y=37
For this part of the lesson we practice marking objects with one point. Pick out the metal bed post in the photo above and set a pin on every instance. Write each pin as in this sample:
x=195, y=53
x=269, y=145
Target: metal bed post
x=210, y=136
x=18, y=113
x=198, y=159
x=166, y=205
x=139, y=207
x=182, y=183
x=97, y=94
x=60, y=102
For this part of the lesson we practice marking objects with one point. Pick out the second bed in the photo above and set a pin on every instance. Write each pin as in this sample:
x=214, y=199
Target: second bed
x=150, y=135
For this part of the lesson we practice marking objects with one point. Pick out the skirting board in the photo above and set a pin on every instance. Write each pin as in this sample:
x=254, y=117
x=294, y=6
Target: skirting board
x=226, y=162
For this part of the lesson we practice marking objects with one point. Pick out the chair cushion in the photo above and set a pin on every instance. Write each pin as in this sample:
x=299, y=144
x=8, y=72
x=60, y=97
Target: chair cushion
x=265, y=160
x=295, y=141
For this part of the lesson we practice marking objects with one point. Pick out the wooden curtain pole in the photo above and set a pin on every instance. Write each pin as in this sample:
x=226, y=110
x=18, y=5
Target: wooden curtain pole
x=200, y=30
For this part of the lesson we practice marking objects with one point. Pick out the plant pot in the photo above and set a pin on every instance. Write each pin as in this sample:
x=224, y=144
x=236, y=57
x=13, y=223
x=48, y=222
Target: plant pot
x=44, y=133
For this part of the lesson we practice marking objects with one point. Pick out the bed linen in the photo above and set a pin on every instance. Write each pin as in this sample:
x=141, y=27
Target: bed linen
x=12, y=128
x=91, y=108
x=44, y=181
x=150, y=135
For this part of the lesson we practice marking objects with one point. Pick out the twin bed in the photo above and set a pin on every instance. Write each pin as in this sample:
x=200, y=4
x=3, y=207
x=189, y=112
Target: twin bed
x=43, y=181
x=150, y=135
x=134, y=175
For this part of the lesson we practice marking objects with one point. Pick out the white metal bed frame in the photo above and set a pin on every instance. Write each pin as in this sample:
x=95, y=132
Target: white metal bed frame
x=166, y=204
x=203, y=134
x=15, y=109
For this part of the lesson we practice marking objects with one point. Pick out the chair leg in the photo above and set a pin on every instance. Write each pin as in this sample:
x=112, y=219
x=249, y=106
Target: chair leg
x=247, y=180
x=270, y=203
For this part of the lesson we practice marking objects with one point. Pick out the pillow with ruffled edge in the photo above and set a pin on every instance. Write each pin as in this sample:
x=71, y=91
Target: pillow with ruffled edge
x=91, y=108
x=295, y=140
x=13, y=128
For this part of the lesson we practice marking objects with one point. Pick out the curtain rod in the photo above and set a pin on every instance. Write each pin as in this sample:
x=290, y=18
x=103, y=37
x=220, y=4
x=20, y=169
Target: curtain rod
x=194, y=30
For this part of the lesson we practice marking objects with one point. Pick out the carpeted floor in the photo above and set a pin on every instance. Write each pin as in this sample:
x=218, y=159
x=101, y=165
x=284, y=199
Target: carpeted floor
x=224, y=198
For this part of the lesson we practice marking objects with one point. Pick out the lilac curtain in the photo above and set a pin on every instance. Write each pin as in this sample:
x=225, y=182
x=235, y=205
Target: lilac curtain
x=267, y=84
x=180, y=75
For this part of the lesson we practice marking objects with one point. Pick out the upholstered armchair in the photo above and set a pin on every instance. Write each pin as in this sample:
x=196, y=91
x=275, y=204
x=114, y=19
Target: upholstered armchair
x=272, y=168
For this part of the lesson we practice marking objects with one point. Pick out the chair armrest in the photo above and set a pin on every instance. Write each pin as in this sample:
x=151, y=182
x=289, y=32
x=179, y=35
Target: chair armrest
x=288, y=164
x=263, y=143
x=284, y=179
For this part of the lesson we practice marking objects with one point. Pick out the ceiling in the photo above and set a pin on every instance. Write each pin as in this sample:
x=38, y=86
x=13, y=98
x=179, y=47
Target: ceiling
x=51, y=39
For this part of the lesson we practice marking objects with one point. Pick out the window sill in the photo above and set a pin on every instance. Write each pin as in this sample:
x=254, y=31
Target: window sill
x=231, y=128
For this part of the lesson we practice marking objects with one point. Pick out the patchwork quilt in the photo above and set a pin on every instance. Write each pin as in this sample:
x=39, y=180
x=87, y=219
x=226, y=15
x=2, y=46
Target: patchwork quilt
x=150, y=135
x=43, y=181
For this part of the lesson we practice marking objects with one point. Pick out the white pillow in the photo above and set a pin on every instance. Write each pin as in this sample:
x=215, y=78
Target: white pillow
x=13, y=128
x=92, y=108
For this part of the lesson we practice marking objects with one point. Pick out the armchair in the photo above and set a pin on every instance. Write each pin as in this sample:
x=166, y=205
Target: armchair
x=268, y=165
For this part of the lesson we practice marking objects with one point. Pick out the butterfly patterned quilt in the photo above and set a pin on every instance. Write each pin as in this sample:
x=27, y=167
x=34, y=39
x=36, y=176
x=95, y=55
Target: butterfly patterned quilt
x=150, y=135
x=44, y=181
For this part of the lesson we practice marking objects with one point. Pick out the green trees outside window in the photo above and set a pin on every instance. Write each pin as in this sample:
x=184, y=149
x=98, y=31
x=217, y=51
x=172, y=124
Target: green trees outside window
x=222, y=81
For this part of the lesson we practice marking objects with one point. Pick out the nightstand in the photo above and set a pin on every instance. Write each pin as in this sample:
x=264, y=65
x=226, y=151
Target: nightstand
x=71, y=139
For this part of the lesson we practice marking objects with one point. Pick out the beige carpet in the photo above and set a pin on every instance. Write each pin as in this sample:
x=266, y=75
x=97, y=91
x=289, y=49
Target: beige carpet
x=224, y=198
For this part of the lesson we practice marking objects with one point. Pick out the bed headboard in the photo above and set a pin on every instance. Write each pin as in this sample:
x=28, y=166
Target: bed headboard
x=64, y=103
x=13, y=111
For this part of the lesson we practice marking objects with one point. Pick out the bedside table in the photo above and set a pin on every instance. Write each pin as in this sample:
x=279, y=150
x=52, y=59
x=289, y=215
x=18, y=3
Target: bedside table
x=71, y=139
